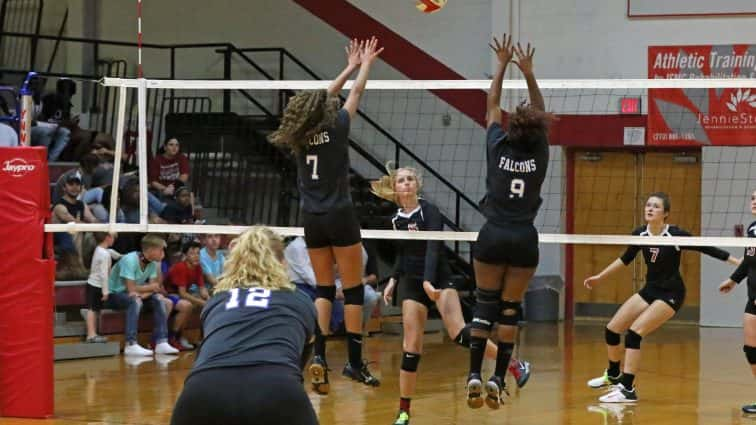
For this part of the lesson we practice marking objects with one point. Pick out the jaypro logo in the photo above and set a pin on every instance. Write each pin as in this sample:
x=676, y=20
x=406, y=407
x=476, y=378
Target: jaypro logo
x=18, y=167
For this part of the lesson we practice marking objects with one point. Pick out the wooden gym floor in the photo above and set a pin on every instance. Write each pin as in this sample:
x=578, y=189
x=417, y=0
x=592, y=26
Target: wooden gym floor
x=690, y=375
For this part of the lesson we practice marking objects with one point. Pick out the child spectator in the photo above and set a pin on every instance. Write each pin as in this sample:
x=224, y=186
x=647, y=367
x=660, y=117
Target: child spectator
x=97, y=284
x=212, y=260
x=186, y=287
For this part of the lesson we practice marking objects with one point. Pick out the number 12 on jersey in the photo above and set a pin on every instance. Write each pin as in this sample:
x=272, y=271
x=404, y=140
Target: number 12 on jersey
x=314, y=160
x=256, y=297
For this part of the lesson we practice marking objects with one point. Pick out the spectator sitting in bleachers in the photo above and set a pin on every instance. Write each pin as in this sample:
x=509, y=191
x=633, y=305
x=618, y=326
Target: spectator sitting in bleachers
x=97, y=284
x=180, y=209
x=69, y=209
x=300, y=271
x=46, y=128
x=169, y=170
x=134, y=281
x=91, y=196
x=8, y=136
x=186, y=288
x=58, y=105
x=212, y=260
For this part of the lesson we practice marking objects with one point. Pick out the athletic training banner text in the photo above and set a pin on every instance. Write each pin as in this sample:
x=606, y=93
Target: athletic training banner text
x=702, y=116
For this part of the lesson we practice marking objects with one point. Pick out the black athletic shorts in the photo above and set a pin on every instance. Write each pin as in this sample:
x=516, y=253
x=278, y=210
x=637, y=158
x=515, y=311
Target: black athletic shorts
x=514, y=244
x=335, y=228
x=233, y=396
x=412, y=289
x=672, y=297
x=94, y=298
x=750, y=306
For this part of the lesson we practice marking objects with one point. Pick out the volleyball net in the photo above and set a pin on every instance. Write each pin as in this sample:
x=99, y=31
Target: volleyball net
x=615, y=141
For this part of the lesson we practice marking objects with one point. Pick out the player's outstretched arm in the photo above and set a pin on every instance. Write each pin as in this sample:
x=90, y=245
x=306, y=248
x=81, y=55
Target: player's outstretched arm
x=525, y=63
x=504, y=55
x=368, y=53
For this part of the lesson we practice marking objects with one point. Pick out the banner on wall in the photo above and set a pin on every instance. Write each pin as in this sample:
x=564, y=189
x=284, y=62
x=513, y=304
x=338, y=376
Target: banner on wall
x=694, y=117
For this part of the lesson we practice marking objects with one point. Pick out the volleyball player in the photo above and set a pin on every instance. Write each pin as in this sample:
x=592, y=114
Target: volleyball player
x=506, y=252
x=421, y=265
x=259, y=332
x=747, y=268
x=652, y=306
x=316, y=130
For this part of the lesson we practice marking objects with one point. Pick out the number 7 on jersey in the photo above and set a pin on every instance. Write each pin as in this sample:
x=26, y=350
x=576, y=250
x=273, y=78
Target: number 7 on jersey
x=314, y=160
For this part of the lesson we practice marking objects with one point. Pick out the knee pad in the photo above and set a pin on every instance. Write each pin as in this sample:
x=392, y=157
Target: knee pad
x=354, y=295
x=463, y=337
x=510, y=313
x=325, y=291
x=410, y=361
x=632, y=340
x=750, y=353
x=486, y=311
x=612, y=338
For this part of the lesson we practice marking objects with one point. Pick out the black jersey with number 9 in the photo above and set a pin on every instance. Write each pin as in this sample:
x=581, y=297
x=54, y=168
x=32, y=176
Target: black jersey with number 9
x=323, y=169
x=514, y=178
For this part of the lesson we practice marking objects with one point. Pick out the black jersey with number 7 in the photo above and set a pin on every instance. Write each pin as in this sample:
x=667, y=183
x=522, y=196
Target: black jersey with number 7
x=514, y=178
x=323, y=169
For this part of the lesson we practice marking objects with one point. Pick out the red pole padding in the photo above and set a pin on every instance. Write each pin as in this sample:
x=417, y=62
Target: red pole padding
x=27, y=282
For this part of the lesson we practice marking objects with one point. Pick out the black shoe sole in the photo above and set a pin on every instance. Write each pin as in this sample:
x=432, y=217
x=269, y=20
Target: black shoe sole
x=319, y=377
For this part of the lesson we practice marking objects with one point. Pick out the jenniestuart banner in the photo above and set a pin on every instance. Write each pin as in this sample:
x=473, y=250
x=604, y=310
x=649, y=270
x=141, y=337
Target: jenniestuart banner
x=702, y=116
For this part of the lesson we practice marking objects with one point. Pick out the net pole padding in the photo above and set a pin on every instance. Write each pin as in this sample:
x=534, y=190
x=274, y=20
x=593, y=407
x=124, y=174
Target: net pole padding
x=142, y=149
x=549, y=238
x=726, y=83
x=26, y=112
x=120, y=124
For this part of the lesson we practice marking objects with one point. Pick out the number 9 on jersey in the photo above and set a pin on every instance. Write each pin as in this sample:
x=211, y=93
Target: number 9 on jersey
x=517, y=188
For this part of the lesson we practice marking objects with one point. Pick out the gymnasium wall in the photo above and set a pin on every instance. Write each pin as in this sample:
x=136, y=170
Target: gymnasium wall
x=564, y=33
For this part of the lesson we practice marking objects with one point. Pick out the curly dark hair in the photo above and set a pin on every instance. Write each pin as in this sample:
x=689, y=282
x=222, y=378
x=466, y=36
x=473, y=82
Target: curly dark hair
x=307, y=114
x=527, y=123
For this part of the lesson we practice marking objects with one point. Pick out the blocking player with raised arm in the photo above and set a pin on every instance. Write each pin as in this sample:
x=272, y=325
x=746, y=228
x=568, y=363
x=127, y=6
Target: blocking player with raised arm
x=652, y=306
x=423, y=273
x=506, y=252
x=259, y=330
x=316, y=130
x=747, y=268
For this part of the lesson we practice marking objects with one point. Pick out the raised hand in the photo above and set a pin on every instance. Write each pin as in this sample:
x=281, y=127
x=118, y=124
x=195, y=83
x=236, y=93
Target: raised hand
x=353, y=52
x=370, y=50
x=503, y=50
x=524, y=58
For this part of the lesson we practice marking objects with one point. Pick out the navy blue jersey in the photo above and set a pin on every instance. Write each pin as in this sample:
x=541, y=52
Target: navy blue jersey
x=748, y=266
x=514, y=178
x=420, y=259
x=255, y=326
x=663, y=262
x=323, y=169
